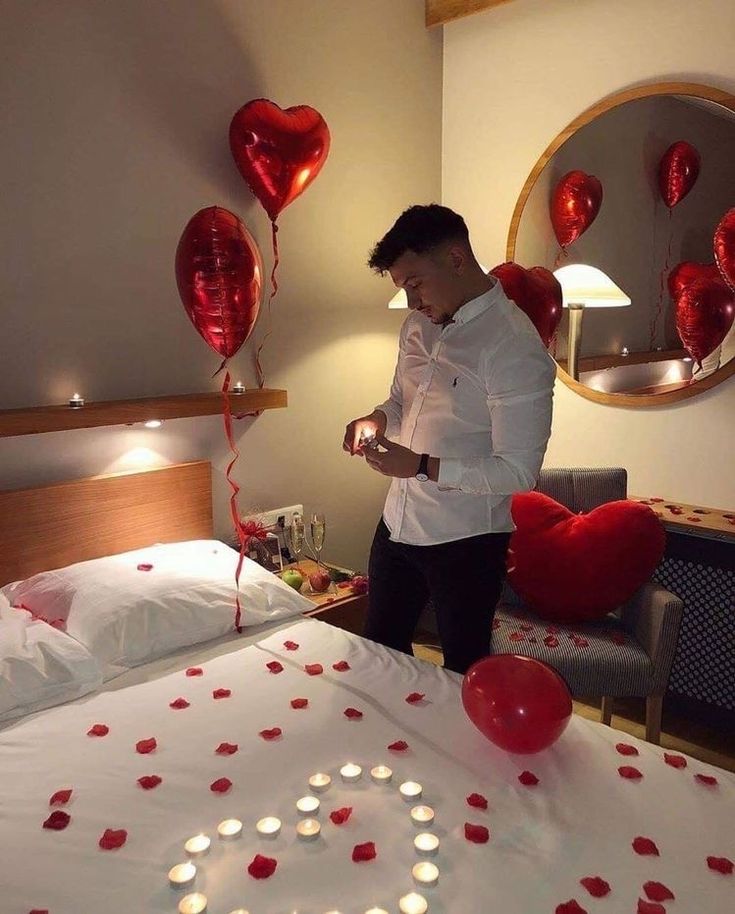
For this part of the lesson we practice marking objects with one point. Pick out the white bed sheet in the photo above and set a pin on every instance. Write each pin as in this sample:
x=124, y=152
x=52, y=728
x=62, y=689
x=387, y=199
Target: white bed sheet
x=578, y=821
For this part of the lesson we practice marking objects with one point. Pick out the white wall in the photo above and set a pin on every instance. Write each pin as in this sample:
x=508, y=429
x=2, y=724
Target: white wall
x=114, y=133
x=514, y=76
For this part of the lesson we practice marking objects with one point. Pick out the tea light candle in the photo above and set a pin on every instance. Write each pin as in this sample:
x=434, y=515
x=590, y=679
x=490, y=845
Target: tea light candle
x=182, y=875
x=238, y=387
x=308, y=806
x=239, y=911
x=350, y=772
x=198, y=845
x=320, y=782
x=381, y=774
x=376, y=911
x=196, y=903
x=422, y=815
x=229, y=828
x=426, y=844
x=308, y=829
x=425, y=873
x=413, y=903
x=269, y=827
x=410, y=790
x=76, y=402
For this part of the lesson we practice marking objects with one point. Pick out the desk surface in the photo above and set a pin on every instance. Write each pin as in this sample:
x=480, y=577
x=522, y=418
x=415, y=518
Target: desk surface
x=677, y=516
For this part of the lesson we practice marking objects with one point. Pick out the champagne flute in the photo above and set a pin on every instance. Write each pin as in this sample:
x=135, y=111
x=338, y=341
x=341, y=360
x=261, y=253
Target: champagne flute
x=296, y=534
x=318, y=532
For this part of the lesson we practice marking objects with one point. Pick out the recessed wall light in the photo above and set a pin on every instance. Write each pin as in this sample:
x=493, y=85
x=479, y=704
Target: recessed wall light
x=153, y=423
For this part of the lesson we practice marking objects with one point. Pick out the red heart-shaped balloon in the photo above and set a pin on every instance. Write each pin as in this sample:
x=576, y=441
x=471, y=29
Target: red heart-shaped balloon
x=574, y=205
x=219, y=272
x=725, y=247
x=704, y=314
x=685, y=273
x=537, y=292
x=677, y=172
x=278, y=152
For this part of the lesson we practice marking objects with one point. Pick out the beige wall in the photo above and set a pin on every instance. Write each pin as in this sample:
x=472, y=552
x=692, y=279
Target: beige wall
x=115, y=134
x=514, y=76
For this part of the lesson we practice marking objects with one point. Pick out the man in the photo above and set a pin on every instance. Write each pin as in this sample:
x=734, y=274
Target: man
x=470, y=408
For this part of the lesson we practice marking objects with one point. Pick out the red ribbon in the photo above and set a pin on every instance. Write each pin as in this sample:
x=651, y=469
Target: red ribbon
x=227, y=415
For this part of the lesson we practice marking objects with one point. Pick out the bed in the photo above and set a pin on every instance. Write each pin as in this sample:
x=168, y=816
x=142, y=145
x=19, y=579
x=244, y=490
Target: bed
x=235, y=728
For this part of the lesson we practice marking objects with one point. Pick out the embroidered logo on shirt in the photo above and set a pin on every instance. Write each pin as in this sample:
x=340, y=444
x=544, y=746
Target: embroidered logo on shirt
x=454, y=382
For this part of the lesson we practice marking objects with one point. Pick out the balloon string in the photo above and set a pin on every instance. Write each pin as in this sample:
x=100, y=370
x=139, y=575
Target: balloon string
x=227, y=414
x=661, y=283
x=562, y=255
x=274, y=290
x=224, y=363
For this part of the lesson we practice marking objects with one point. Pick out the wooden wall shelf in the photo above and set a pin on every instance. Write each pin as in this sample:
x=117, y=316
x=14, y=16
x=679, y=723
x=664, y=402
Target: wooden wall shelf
x=440, y=11
x=38, y=419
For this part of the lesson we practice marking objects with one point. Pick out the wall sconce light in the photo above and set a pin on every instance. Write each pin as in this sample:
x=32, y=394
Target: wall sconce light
x=153, y=423
x=76, y=402
x=238, y=388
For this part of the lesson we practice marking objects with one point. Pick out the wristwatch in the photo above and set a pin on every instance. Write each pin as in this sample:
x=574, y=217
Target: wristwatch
x=422, y=474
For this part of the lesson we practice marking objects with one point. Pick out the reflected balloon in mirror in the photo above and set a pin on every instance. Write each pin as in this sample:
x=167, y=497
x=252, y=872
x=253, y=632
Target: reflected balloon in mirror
x=704, y=316
x=574, y=205
x=724, y=243
x=537, y=292
x=678, y=171
x=686, y=272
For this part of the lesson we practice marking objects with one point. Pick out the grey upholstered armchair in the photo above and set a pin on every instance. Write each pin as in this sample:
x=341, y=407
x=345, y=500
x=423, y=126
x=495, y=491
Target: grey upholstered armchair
x=627, y=654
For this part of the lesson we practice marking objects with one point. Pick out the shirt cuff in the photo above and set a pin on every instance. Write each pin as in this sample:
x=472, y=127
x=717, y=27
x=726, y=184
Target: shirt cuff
x=450, y=473
x=393, y=424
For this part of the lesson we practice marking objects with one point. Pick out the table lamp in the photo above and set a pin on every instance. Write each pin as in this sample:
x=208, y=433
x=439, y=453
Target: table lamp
x=400, y=299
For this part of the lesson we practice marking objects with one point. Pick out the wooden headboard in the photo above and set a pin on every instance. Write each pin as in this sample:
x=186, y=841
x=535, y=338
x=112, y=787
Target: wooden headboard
x=55, y=525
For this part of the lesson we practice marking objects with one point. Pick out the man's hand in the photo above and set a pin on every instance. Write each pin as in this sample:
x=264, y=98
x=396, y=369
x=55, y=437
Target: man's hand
x=365, y=426
x=395, y=460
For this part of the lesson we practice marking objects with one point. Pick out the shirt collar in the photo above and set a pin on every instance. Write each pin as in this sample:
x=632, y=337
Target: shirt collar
x=476, y=306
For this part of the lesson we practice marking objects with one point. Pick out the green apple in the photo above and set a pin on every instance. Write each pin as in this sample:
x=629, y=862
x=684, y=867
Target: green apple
x=293, y=578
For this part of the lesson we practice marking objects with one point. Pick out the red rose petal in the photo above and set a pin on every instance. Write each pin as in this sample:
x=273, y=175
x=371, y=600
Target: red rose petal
x=145, y=566
x=526, y=627
x=596, y=886
x=98, y=730
x=496, y=624
x=569, y=907
x=221, y=693
x=551, y=641
x=144, y=746
x=414, y=697
x=552, y=629
x=61, y=797
x=399, y=745
x=221, y=785
x=626, y=749
x=353, y=713
x=528, y=779
x=517, y=636
x=706, y=779
x=649, y=907
x=363, y=852
x=273, y=733
x=195, y=671
x=314, y=669
x=39, y=911
x=478, y=834
x=645, y=847
x=581, y=642
x=629, y=773
x=58, y=820
x=477, y=800
x=676, y=761
x=149, y=781
x=341, y=666
x=226, y=749
x=657, y=891
x=113, y=838
x=262, y=867
x=340, y=816
x=721, y=865
x=178, y=704
x=290, y=645
x=275, y=667
x=299, y=703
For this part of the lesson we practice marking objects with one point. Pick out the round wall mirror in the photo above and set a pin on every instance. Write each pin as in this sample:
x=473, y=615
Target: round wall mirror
x=628, y=351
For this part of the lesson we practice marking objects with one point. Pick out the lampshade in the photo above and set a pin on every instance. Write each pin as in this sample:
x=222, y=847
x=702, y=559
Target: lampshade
x=400, y=299
x=582, y=284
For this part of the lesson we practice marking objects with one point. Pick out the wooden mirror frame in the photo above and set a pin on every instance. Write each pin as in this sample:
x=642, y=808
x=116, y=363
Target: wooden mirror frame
x=727, y=100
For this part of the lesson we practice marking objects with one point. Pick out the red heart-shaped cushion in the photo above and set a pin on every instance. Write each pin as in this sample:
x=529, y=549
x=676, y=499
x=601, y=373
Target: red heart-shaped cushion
x=579, y=567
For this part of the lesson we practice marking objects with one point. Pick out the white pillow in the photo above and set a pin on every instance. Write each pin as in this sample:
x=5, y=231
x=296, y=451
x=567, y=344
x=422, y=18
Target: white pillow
x=126, y=615
x=39, y=666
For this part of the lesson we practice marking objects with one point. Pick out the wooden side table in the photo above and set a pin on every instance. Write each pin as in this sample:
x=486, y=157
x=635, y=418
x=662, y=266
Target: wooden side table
x=338, y=606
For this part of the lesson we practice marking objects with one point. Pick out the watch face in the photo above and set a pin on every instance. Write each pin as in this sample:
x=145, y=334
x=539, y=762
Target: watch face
x=422, y=477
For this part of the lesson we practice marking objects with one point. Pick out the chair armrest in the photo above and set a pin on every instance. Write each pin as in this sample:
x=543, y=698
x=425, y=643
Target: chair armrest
x=653, y=616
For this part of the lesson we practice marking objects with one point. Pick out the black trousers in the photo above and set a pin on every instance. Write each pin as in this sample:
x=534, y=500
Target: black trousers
x=463, y=578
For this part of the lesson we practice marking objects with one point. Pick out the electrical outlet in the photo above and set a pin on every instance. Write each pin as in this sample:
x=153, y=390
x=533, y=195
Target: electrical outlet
x=276, y=518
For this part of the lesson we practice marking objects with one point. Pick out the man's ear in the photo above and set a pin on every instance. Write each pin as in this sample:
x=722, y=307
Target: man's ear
x=457, y=258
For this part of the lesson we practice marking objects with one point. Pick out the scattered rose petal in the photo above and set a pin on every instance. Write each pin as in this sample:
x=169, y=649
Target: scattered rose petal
x=145, y=566
x=528, y=779
x=413, y=697
x=496, y=624
x=273, y=733
x=299, y=703
x=149, y=781
x=58, y=820
x=353, y=713
x=261, y=867
x=144, y=746
x=706, y=779
x=314, y=669
x=525, y=627
x=221, y=693
x=649, y=907
x=226, y=749
x=478, y=834
x=626, y=749
x=570, y=907
x=645, y=847
x=676, y=761
x=517, y=636
x=98, y=730
x=363, y=852
x=657, y=891
x=721, y=865
x=290, y=645
x=61, y=797
x=195, y=671
x=551, y=641
x=581, y=642
x=113, y=838
x=178, y=704
x=552, y=629
x=399, y=745
x=596, y=886
x=340, y=816
x=477, y=800
x=341, y=666
x=275, y=667
x=221, y=785
x=629, y=773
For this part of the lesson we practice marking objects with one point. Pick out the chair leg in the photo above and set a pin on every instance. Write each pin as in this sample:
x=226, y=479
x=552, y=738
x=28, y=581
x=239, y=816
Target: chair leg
x=606, y=710
x=654, y=709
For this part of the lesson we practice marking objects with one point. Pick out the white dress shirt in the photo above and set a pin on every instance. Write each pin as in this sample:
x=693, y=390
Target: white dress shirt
x=477, y=393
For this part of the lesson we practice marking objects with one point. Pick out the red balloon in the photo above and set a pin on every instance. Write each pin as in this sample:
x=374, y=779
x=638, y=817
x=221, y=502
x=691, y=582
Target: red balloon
x=520, y=704
x=685, y=273
x=537, y=292
x=704, y=314
x=278, y=152
x=574, y=205
x=677, y=172
x=725, y=247
x=219, y=273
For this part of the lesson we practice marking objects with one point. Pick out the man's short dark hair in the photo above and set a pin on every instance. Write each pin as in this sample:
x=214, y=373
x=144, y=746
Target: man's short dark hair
x=418, y=229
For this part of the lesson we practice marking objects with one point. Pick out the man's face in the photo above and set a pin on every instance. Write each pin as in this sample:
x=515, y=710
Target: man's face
x=430, y=282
